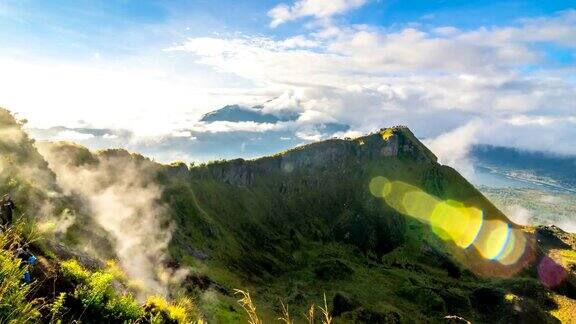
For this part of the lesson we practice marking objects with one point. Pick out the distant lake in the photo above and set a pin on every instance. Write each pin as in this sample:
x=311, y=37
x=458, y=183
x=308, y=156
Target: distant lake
x=498, y=179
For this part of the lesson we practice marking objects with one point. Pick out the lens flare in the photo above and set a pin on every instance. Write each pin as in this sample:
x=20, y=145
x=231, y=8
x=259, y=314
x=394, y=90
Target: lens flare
x=453, y=221
x=551, y=274
x=514, y=249
x=450, y=220
x=493, y=239
x=417, y=204
x=380, y=187
x=461, y=223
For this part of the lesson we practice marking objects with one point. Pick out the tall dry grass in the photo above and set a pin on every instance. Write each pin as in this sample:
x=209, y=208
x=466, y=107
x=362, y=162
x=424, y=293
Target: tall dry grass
x=310, y=315
x=248, y=305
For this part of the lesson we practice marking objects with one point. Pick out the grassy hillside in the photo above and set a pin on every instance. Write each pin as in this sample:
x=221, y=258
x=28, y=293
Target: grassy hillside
x=69, y=284
x=304, y=222
x=372, y=229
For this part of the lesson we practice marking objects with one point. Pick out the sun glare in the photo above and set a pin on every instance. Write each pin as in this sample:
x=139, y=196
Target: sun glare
x=461, y=223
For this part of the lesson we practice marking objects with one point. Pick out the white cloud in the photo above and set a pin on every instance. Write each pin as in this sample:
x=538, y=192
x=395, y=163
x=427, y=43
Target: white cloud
x=522, y=132
x=557, y=137
x=568, y=226
x=446, y=31
x=108, y=95
x=317, y=8
x=69, y=135
x=265, y=61
x=452, y=147
x=227, y=127
x=315, y=117
x=414, y=49
x=182, y=134
x=557, y=29
x=285, y=104
x=300, y=41
x=522, y=120
x=349, y=134
x=310, y=135
x=433, y=80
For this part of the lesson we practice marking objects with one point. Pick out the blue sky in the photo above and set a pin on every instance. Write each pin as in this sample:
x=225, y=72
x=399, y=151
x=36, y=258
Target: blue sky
x=77, y=29
x=456, y=72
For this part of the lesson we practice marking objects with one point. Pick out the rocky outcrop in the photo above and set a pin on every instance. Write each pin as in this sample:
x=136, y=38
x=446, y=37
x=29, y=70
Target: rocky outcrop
x=397, y=142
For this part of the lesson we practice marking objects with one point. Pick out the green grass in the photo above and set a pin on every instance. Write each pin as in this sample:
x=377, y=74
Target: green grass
x=92, y=297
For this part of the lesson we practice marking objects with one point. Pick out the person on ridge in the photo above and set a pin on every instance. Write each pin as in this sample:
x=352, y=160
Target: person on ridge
x=26, y=258
x=7, y=210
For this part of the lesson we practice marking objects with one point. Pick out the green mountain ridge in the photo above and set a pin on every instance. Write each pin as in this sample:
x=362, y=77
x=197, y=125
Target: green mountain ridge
x=359, y=220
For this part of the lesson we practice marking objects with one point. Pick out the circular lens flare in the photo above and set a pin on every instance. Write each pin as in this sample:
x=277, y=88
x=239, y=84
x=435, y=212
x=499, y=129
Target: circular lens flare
x=493, y=239
x=418, y=204
x=551, y=274
x=454, y=221
x=464, y=224
x=514, y=248
x=380, y=187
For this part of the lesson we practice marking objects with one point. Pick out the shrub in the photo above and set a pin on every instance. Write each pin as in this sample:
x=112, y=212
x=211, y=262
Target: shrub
x=162, y=311
x=73, y=271
x=14, y=305
x=57, y=307
x=95, y=292
x=124, y=306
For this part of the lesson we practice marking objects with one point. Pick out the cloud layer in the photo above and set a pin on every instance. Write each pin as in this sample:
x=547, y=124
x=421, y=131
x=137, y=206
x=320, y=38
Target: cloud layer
x=367, y=77
x=508, y=80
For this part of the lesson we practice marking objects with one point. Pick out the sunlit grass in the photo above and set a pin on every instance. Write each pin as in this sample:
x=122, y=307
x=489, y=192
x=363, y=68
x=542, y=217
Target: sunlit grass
x=285, y=318
x=326, y=317
x=566, y=309
x=309, y=315
x=564, y=257
x=248, y=306
x=387, y=133
x=253, y=318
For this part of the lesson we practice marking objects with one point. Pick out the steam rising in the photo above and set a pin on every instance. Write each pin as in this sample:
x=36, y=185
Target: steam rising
x=123, y=200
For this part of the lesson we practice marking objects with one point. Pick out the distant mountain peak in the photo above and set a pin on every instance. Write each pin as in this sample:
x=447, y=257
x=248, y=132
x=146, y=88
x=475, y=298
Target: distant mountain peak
x=237, y=113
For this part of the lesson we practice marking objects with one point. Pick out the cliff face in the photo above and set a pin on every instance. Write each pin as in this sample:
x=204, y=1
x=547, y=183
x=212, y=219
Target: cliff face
x=324, y=192
x=395, y=142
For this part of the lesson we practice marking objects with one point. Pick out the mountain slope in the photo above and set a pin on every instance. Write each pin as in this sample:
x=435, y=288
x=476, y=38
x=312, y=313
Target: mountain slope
x=375, y=223
x=309, y=214
x=235, y=113
x=70, y=283
x=311, y=220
